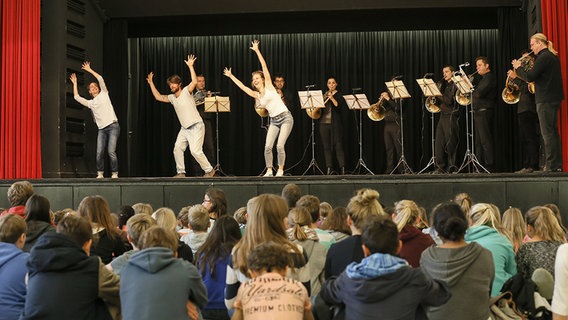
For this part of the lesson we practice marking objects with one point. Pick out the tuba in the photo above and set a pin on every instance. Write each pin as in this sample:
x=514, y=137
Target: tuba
x=377, y=111
x=511, y=94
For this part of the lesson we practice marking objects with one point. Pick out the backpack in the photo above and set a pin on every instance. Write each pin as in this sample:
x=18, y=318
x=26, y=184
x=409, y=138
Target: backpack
x=523, y=291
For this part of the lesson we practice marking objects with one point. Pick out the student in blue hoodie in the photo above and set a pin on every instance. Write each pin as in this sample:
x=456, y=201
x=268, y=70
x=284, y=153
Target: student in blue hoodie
x=155, y=284
x=12, y=266
x=383, y=285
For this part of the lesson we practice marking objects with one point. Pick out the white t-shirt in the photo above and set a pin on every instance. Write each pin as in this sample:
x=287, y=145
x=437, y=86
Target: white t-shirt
x=102, y=108
x=560, y=297
x=272, y=102
x=184, y=106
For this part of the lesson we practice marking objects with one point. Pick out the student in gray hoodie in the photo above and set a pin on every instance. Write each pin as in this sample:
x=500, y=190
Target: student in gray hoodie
x=467, y=268
x=382, y=285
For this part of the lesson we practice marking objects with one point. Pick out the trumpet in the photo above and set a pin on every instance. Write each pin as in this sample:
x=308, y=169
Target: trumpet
x=377, y=111
x=464, y=99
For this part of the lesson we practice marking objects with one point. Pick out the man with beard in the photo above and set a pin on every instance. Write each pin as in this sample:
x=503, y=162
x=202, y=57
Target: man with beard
x=192, y=129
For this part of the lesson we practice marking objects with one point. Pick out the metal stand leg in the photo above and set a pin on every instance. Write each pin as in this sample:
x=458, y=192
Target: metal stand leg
x=432, y=162
x=470, y=162
x=313, y=163
x=361, y=166
x=402, y=164
x=217, y=167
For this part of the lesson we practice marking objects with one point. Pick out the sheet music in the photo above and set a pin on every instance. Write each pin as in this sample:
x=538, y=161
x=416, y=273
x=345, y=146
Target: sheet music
x=217, y=104
x=429, y=88
x=397, y=89
x=311, y=99
x=357, y=101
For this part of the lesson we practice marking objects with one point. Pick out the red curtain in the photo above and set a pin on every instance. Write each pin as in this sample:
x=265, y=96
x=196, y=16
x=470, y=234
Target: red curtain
x=555, y=26
x=20, y=143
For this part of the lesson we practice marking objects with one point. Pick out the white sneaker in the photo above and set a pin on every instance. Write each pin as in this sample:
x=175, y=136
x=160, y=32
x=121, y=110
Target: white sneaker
x=268, y=173
x=100, y=175
x=280, y=173
x=114, y=175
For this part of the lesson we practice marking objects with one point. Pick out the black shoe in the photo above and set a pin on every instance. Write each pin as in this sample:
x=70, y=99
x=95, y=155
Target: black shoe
x=342, y=171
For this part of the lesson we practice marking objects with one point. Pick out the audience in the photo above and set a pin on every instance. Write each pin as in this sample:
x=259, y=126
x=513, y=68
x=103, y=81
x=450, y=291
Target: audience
x=560, y=297
x=484, y=229
x=38, y=219
x=241, y=216
x=466, y=268
x=64, y=281
x=336, y=224
x=13, y=268
x=414, y=242
x=125, y=213
x=464, y=201
x=144, y=208
x=215, y=202
x=183, y=221
x=212, y=260
x=155, y=284
x=198, y=225
x=136, y=225
x=107, y=242
x=325, y=210
x=166, y=218
x=291, y=194
x=383, y=285
x=312, y=203
x=18, y=194
x=514, y=223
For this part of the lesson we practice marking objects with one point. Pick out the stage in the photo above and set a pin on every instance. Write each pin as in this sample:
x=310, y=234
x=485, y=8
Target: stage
x=502, y=189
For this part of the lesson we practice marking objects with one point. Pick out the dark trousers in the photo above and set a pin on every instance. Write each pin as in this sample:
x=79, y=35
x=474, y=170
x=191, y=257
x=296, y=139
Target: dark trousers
x=483, y=137
x=331, y=139
x=548, y=119
x=446, y=141
x=392, y=144
x=208, y=149
x=528, y=134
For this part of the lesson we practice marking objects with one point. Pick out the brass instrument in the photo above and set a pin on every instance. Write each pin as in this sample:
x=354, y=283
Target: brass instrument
x=527, y=63
x=315, y=113
x=511, y=94
x=464, y=99
x=377, y=111
x=260, y=110
x=432, y=104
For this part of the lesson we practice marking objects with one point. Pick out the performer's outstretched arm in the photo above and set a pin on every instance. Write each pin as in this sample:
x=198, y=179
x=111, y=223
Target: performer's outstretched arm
x=227, y=72
x=155, y=92
x=190, y=62
x=267, y=78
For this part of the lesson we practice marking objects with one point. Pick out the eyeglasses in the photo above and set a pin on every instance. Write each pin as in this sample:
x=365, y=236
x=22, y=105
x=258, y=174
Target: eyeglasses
x=206, y=200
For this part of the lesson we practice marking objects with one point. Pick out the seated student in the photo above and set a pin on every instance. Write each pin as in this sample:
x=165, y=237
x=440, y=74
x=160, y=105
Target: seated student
x=312, y=203
x=18, y=193
x=12, y=266
x=241, y=216
x=38, y=219
x=270, y=294
x=155, y=284
x=198, y=224
x=166, y=218
x=183, y=222
x=136, y=226
x=383, y=284
x=64, y=282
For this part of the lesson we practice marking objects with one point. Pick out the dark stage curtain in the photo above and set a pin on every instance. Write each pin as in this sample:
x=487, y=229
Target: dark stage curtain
x=20, y=144
x=357, y=59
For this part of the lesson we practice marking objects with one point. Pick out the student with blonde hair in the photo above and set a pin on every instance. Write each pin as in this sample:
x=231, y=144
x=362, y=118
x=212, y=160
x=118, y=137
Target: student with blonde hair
x=166, y=218
x=464, y=201
x=198, y=224
x=266, y=214
x=545, y=238
x=484, y=228
x=414, y=242
x=514, y=223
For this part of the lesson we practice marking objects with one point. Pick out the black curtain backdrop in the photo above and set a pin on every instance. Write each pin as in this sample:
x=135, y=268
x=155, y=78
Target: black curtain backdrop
x=357, y=59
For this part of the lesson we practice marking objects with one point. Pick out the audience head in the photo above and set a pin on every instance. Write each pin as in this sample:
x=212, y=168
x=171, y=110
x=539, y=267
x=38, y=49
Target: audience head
x=325, y=209
x=406, y=213
x=183, y=217
x=165, y=218
x=483, y=214
x=337, y=221
x=422, y=222
x=241, y=215
x=97, y=211
x=38, y=209
x=223, y=236
x=144, y=208
x=380, y=235
x=554, y=208
x=268, y=257
x=542, y=223
x=58, y=215
x=312, y=203
x=198, y=218
x=514, y=222
x=136, y=225
x=13, y=230
x=298, y=218
x=157, y=236
x=78, y=229
x=449, y=221
x=215, y=202
x=126, y=212
x=19, y=192
x=464, y=201
x=362, y=206
x=291, y=194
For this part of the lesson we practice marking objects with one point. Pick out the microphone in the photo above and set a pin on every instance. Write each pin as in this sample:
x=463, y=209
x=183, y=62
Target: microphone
x=465, y=64
x=397, y=77
x=429, y=75
x=215, y=92
x=311, y=86
x=356, y=89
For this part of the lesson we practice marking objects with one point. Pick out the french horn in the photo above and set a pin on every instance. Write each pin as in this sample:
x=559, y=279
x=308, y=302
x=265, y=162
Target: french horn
x=377, y=111
x=260, y=110
x=432, y=104
x=511, y=94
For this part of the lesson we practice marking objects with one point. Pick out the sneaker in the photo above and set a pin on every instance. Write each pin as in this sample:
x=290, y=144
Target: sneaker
x=114, y=175
x=268, y=173
x=100, y=175
x=180, y=175
x=280, y=173
x=210, y=174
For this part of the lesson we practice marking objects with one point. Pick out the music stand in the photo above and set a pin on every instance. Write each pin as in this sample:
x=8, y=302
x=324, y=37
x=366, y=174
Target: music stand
x=430, y=89
x=359, y=102
x=217, y=104
x=312, y=100
x=398, y=91
x=470, y=161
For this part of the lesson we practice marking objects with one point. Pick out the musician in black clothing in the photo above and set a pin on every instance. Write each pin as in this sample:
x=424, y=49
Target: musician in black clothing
x=528, y=122
x=279, y=83
x=547, y=77
x=484, y=101
x=393, y=146
x=447, y=129
x=208, y=120
x=331, y=127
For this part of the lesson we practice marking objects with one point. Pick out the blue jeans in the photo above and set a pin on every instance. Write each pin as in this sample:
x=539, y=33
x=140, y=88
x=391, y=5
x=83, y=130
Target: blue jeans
x=107, y=138
x=280, y=126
